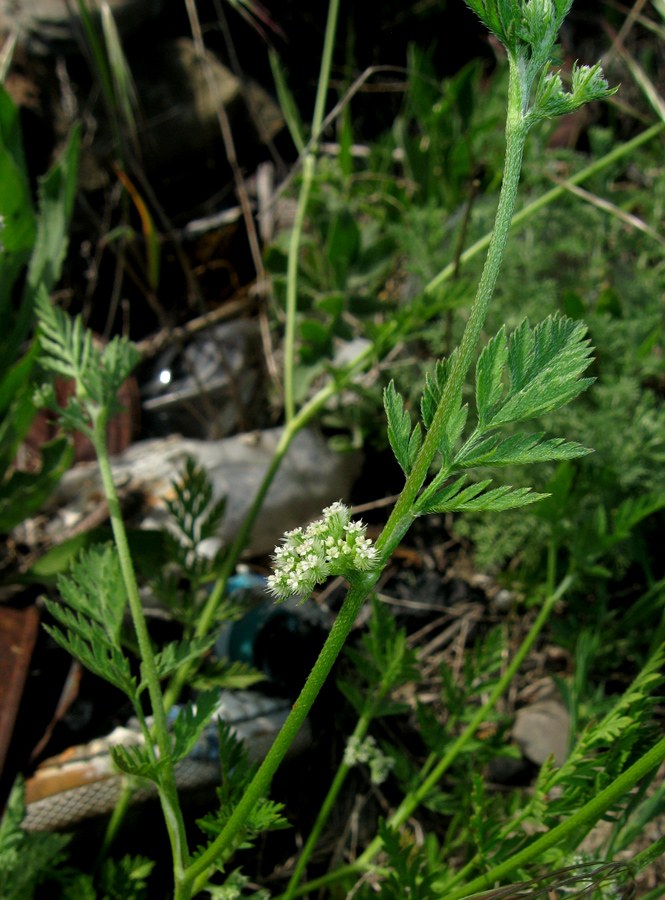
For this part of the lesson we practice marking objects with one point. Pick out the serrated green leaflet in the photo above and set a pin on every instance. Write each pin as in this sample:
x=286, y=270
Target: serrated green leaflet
x=137, y=761
x=177, y=653
x=87, y=643
x=545, y=365
x=489, y=371
x=475, y=498
x=433, y=390
x=69, y=350
x=191, y=721
x=517, y=450
x=405, y=445
x=96, y=589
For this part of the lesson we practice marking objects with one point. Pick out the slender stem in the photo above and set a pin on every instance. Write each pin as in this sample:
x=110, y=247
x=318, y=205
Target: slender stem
x=324, y=72
x=582, y=820
x=122, y=805
x=292, y=287
x=168, y=792
x=403, y=512
x=198, y=871
x=646, y=857
x=309, y=166
x=535, y=206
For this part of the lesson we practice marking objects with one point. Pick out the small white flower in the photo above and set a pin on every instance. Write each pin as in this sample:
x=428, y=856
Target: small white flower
x=331, y=545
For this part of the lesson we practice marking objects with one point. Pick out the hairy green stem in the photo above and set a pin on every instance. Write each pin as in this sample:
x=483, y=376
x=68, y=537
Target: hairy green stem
x=582, y=820
x=403, y=512
x=167, y=787
x=309, y=166
x=198, y=872
x=535, y=206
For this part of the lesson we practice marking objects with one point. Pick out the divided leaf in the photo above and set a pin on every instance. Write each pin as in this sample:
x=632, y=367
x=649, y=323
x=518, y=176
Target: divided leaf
x=87, y=642
x=177, y=654
x=545, y=365
x=517, y=450
x=475, y=498
x=191, y=721
x=92, y=620
x=96, y=589
x=68, y=349
x=404, y=443
x=194, y=512
x=136, y=761
x=432, y=392
x=489, y=370
x=236, y=773
x=227, y=675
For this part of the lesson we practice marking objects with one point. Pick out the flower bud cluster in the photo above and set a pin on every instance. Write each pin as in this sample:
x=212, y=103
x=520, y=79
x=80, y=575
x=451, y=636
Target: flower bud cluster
x=367, y=752
x=333, y=545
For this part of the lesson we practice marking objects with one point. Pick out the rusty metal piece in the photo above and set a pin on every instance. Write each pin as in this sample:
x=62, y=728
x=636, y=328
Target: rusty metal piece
x=18, y=633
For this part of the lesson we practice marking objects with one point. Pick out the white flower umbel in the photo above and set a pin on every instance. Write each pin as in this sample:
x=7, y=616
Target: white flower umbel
x=357, y=752
x=333, y=545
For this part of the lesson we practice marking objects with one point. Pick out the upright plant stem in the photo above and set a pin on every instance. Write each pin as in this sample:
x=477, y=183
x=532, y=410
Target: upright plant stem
x=403, y=512
x=309, y=166
x=198, y=872
x=580, y=821
x=168, y=791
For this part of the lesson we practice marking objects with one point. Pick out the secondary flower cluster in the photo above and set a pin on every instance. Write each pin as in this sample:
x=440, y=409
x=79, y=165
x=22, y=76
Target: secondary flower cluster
x=332, y=545
x=366, y=751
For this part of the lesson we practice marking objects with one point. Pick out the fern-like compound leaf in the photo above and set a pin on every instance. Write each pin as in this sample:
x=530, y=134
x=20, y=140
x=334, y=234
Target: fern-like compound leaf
x=136, y=761
x=86, y=641
x=405, y=445
x=68, y=349
x=177, y=654
x=96, y=589
x=191, y=721
x=545, y=365
x=475, y=498
x=489, y=371
x=517, y=450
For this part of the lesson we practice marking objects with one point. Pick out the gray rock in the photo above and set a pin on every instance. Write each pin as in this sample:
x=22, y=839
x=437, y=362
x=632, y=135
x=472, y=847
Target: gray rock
x=54, y=26
x=311, y=476
x=541, y=729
